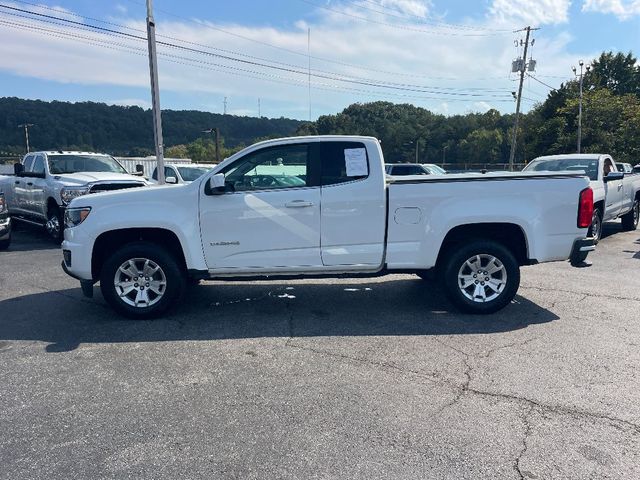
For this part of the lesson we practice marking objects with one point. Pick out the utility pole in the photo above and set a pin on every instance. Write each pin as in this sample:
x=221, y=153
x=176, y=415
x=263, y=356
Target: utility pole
x=417, y=147
x=155, y=92
x=581, y=77
x=309, y=58
x=216, y=132
x=26, y=132
x=444, y=155
x=259, y=113
x=225, y=106
x=521, y=65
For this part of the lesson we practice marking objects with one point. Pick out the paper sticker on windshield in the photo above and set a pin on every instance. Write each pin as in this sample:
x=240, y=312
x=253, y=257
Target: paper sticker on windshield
x=356, y=162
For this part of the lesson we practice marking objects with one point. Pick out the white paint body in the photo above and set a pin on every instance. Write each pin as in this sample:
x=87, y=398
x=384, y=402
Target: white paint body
x=361, y=226
x=615, y=197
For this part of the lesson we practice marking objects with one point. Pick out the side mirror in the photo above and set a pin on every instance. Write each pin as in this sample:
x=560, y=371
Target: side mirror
x=172, y=180
x=614, y=176
x=18, y=169
x=139, y=171
x=216, y=185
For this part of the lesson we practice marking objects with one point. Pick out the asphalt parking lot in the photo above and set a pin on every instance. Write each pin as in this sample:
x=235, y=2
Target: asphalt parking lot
x=323, y=379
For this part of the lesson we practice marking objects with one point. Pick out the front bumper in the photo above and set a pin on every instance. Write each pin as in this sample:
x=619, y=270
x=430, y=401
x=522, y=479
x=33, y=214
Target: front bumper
x=581, y=249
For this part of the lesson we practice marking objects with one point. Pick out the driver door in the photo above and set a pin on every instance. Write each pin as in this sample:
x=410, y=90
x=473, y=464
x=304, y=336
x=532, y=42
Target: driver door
x=269, y=218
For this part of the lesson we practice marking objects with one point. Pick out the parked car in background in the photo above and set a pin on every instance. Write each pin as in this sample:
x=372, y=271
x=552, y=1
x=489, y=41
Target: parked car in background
x=45, y=183
x=323, y=206
x=615, y=194
x=5, y=223
x=624, y=167
x=434, y=169
x=180, y=174
x=403, y=169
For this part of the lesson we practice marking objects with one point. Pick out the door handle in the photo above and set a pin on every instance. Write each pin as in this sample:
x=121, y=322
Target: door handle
x=17, y=182
x=30, y=183
x=298, y=204
x=619, y=187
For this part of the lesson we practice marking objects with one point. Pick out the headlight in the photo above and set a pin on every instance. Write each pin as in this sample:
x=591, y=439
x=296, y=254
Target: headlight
x=75, y=216
x=3, y=203
x=69, y=193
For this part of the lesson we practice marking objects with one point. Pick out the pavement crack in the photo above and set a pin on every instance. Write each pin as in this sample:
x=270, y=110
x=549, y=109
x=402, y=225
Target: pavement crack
x=525, y=437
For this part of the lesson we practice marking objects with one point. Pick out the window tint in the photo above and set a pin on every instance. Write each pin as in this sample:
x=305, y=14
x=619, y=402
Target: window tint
x=38, y=164
x=270, y=168
x=333, y=165
x=28, y=163
x=170, y=172
x=155, y=174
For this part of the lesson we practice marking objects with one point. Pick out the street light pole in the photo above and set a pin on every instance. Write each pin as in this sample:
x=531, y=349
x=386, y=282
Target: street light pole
x=580, y=103
x=155, y=93
x=26, y=132
x=444, y=155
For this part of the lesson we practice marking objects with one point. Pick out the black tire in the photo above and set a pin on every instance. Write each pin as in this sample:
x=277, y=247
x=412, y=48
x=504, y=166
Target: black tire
x=595, y=230
x=174, y=276
x=55, y=224
x=426, y=275
x=4, y=244
x=455, y=262
x=630, y=219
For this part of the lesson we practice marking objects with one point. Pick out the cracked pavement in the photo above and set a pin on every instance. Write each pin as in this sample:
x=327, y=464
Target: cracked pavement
x=375, y=378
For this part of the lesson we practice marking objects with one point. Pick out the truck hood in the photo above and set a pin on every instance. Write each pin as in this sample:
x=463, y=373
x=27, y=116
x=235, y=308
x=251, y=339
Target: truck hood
x=134, y=197
x=83, y=178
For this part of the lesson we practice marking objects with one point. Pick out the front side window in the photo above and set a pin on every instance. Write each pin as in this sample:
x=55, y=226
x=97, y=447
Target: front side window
x=38, y=164
x=270, y=168
x=28, y=163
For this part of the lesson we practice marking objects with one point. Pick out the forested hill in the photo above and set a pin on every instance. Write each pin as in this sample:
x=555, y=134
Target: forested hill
x=121, y=130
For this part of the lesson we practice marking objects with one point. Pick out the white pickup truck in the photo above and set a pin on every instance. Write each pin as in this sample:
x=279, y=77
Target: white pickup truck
x=45, y=182
x=615, y=194
x=329, y=210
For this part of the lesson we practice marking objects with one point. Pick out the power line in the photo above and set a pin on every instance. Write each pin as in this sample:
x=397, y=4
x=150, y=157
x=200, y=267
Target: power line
x=234, y=70
x=329, y=76
x=541, y=82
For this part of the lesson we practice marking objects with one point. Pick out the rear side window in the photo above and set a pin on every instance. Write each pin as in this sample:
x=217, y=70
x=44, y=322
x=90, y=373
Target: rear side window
x=342, y=162
x=402, y=170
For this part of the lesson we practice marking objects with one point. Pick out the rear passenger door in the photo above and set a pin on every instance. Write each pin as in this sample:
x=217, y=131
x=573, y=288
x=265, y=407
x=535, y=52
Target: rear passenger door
x=353, y=213
x=36, y=188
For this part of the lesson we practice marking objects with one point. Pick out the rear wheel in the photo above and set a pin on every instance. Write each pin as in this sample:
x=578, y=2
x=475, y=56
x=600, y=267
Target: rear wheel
x=4, y=244
x=481, y=277
x=55, y=223
x=630, y=219
x=595, y=230
x=141, y=280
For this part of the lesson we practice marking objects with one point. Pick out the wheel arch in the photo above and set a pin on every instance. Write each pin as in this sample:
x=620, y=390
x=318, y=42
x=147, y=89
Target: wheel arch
x=110, y=241
x=510, y=235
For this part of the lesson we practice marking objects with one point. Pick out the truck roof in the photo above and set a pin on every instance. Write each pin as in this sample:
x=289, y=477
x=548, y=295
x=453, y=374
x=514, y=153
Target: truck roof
x=67, y=152
x=586, y=156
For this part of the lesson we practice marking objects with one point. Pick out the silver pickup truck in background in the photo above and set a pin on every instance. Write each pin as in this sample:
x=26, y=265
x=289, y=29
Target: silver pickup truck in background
x=615, y=194
x=45, y=182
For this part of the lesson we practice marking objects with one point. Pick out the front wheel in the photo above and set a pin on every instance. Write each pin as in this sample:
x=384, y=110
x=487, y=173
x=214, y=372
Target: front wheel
x=55, y=224
x=630, y=219
x=141, y=280
x=481, y=277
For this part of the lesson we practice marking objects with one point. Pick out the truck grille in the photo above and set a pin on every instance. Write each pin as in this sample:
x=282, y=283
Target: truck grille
x=108, y=187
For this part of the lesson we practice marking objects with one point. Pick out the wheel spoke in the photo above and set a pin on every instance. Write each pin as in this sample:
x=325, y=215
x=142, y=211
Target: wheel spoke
x=494, y=285
x=479, y=292
x=493, y=266
x=156, y=286
x=148, y=270
x=467, y=279
x=142, y=298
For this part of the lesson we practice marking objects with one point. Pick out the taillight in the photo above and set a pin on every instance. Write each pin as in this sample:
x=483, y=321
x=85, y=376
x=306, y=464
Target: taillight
x=585, y=208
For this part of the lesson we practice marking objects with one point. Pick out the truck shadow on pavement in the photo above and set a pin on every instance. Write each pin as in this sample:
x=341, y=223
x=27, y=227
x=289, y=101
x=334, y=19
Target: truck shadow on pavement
x=215, y=310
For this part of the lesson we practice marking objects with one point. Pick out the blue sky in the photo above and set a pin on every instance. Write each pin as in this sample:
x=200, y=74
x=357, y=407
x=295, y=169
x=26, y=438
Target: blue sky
x=449, y=56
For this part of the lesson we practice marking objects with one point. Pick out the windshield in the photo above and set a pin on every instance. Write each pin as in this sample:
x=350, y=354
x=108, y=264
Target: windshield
x=589, y=166
x=59, y=164
x=189, y=174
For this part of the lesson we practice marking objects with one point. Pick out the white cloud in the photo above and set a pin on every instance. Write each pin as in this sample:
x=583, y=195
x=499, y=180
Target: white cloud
x=533, y=12
x=413, y=7
x=121, y=9
x=623, y=9
x=482, y=106
x=456, y=73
